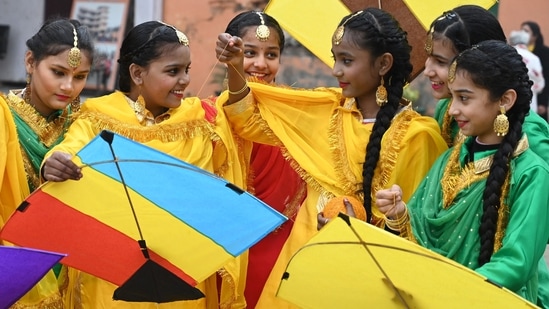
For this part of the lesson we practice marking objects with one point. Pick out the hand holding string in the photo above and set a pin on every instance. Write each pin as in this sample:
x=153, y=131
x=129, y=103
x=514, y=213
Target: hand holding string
x=230, y=50
x=389, y=202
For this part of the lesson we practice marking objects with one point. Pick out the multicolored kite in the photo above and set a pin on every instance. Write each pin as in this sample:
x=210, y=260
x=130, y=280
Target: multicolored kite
x=136, y=209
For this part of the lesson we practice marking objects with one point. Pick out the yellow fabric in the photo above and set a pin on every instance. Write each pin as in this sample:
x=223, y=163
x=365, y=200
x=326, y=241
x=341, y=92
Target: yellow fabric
x=323, y=134
x=352, y=278
x=312, y=25
x=13, y=190
x=185, y=134
x=428, y=10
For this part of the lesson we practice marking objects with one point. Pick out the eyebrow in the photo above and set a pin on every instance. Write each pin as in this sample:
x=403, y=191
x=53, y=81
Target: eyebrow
x=465, y=90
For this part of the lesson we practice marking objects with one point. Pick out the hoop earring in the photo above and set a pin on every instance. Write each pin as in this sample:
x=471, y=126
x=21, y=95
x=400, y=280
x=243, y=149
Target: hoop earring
x=501, y=123
x=381, y=94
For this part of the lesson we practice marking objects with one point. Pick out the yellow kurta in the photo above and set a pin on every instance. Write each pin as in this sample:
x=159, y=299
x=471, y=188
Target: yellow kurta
x=323, y=134
x=14, y=189
x=186, y=134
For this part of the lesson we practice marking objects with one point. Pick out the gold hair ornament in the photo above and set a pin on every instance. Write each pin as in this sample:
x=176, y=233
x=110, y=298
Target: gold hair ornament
x=183, y=40
x=340, y=31
x=429, y=43
x=452, y=72
x=75, y=56
x=501, y=123
x=262, y=32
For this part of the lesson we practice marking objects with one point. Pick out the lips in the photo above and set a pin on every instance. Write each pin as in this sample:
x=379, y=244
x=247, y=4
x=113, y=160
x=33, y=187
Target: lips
x=178, y=93
x=258, y=75
x=461, y=123
x=62, y=98
x=343, y=85
x=437, y=85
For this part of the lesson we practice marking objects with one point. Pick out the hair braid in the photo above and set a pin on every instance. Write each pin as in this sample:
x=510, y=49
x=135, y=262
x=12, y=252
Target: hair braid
x=378, y=32
x=497, y=67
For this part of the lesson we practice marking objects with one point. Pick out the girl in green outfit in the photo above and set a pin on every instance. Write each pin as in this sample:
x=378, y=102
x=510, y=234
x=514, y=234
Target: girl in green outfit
x=484, y=201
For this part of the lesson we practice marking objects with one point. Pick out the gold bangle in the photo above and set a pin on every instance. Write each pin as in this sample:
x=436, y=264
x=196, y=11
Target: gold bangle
x=400, y=222
x=239, y=91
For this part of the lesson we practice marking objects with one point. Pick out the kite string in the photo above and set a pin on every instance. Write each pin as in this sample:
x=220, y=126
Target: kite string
x=217, y=61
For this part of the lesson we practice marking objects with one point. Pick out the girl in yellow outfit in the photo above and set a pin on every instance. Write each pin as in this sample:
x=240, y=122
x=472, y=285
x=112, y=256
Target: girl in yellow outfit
x=35, y=119
x=348, y=141
x=149, y=108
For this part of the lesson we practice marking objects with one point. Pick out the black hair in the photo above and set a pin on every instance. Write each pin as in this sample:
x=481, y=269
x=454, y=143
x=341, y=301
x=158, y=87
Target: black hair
x=536, y=31
x=56, y=36
x=144, y=43
x=467, y=25
x=497, y=67
x=378, y=32
x=238, y=24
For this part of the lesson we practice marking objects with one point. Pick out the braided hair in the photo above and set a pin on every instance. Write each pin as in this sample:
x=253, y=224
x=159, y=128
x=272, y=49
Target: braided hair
x=144, y=43
x=56, y=36
x=237, y=26
x=378, y=32
x=497, y=67
x=467, y=25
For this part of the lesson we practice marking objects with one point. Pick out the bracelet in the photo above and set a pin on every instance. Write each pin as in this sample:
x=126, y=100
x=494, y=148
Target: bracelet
x=239, y=91
x=399, y=223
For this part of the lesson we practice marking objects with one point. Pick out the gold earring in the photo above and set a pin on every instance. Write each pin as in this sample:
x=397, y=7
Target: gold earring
x=501, y=123
x=381, y=94
x=429, y=43
x=27, y=93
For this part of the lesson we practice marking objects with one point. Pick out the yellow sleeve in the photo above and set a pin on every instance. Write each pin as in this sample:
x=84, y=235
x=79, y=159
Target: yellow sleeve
x=421, y=146
x=13, y=179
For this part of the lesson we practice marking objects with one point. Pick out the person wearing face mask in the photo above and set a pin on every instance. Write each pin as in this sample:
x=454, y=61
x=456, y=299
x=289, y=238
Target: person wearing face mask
x=538, y=47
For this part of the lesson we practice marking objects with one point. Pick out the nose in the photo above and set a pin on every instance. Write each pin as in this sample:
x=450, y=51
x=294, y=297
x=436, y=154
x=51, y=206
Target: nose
x=336, y=71
x=428, y=71
x=185, y=79
x=67, y=84
x=260, y=62
x=452, y=110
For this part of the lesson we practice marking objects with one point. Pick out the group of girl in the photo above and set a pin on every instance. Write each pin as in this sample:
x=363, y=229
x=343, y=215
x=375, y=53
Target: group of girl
x=297, y=149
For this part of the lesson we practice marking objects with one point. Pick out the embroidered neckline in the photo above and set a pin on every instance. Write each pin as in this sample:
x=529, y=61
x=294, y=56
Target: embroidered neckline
x=144, y=116
x=457, y=178
x=47, y=131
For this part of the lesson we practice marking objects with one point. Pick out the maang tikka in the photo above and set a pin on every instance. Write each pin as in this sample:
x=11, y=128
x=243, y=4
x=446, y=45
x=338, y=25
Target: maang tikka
x=75, y=56
x=340, y=31
x=262, y=32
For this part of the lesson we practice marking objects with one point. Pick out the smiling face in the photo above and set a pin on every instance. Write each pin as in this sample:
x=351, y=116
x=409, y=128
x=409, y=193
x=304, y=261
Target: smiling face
x=163, y=82
x=437, y=65
x=55, y=84
x=473, y=109
x=356, y=70
x=261, y=59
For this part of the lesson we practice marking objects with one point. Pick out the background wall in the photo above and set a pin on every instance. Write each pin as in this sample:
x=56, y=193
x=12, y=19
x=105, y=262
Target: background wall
x=512, y=13
x=24, y=20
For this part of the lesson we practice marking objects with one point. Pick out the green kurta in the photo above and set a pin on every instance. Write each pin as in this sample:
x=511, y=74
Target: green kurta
x=453, y=231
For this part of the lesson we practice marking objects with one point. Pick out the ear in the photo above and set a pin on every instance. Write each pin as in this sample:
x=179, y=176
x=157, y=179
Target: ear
x=29, y=62
x=136, y=73
x=385, y=63
x=508, y=99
